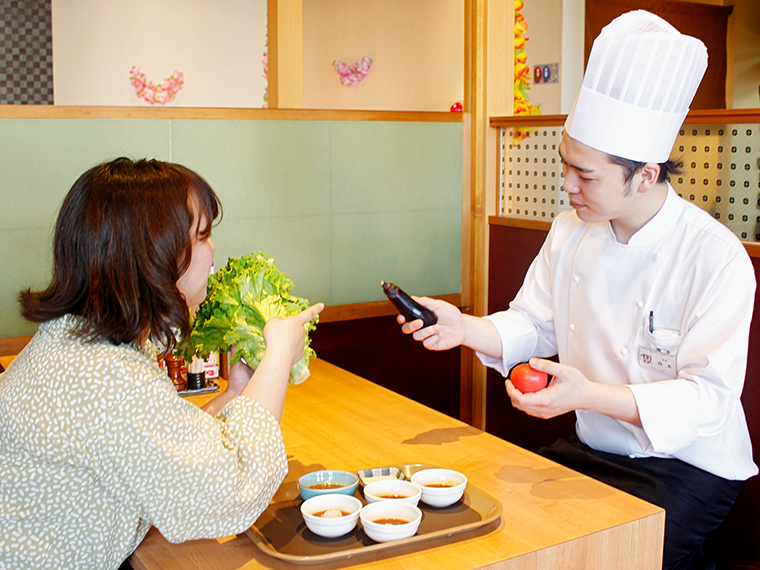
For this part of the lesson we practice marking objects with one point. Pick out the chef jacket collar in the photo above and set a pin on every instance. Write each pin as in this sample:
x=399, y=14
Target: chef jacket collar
x=652, y=230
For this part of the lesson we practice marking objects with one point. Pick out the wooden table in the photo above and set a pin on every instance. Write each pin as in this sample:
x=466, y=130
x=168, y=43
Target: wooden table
x=552, y=517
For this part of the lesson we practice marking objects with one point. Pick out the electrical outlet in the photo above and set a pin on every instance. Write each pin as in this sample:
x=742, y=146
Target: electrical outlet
x=546, y=73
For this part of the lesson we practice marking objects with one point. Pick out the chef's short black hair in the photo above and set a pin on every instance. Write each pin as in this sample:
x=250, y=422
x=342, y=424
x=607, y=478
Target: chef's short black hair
x=631, y=167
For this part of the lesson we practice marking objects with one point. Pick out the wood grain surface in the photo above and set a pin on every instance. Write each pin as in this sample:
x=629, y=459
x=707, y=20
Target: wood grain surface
x=553, y=517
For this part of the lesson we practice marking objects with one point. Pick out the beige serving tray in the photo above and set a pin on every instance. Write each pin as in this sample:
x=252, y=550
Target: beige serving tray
x=280, y=531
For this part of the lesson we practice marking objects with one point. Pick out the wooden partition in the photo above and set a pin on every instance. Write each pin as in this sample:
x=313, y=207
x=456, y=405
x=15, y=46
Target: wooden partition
x=377, y=349
x=512, y=249
x=340, y=199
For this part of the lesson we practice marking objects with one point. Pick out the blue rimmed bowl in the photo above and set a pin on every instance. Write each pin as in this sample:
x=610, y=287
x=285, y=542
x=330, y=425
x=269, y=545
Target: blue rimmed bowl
x=326, y=482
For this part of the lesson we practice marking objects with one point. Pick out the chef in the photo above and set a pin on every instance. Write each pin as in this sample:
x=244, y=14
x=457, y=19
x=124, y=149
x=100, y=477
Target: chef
x=645, y=298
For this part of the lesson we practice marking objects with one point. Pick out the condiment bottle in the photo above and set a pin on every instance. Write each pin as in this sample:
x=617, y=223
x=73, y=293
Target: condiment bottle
x=174, y=367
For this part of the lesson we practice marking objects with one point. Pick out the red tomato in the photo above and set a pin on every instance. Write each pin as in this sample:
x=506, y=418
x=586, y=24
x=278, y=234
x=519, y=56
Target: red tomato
x=526, y=379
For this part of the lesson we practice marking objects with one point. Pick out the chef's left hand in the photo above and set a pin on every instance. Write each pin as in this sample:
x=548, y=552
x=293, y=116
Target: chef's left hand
x=566, y=391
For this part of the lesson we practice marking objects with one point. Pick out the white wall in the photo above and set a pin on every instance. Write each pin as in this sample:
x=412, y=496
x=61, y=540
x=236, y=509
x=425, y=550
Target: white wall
x=417, y=48
x=555, y=35
x=573, y=38
x=747, y=54
x=544, y=45
x=217, y=44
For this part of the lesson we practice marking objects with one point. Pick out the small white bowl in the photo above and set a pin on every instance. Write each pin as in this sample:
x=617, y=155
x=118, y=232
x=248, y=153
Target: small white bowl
x=373, y=516
x=331, y=527
x=392, y=490
x=440, y=487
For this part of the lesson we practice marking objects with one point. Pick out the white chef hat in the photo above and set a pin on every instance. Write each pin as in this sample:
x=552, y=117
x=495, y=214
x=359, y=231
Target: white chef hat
x=641, y=77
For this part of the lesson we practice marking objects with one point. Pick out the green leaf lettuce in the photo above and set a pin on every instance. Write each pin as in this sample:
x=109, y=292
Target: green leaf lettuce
x=240, y=299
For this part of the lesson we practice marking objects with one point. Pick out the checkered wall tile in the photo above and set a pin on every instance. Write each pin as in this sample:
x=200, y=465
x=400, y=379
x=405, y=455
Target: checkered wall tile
x=26, y=52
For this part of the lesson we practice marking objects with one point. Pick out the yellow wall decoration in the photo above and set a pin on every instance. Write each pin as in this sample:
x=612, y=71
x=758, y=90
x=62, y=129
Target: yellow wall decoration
x=522, y=105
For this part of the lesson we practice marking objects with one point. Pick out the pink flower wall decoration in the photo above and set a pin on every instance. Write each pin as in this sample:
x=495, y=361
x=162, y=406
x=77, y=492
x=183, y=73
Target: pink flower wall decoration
x=353, y=74
x=156, y=94
x=265, y=63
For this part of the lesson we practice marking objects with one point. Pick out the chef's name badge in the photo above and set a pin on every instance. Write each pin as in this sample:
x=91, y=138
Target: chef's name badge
x=657, y=360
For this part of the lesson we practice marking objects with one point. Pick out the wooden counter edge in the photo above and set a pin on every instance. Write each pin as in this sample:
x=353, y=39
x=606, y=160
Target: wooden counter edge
x=222, y=114
x=334, y=313
x=600, y=550
x=695, y=116
x=595, y=551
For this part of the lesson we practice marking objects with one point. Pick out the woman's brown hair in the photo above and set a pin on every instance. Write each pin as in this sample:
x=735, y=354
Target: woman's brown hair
x=122, y=240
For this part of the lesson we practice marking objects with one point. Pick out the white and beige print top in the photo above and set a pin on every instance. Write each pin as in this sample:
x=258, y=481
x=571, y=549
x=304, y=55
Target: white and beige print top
x=96, y=446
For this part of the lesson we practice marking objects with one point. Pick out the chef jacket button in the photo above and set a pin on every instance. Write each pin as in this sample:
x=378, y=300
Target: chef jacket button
x=655, y=256
x=576, y=278
x=631, y=456
x=572, y=327
x=640, y=304
x=623, y=351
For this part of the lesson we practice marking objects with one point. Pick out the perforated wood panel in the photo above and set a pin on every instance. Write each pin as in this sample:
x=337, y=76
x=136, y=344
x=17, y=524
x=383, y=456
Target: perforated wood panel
x=721, y=173
x=531, y=173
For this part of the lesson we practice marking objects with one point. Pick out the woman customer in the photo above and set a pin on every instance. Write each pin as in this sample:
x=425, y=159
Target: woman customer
x=95, y=443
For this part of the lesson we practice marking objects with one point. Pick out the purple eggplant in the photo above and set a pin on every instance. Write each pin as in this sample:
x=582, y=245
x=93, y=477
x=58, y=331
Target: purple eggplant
x=407, y=306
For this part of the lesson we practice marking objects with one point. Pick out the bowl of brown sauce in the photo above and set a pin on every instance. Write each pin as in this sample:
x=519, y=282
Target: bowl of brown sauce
x=384, y=521
x=327, y=482
x=392, y=490
x=440, y=487
x=331, y=515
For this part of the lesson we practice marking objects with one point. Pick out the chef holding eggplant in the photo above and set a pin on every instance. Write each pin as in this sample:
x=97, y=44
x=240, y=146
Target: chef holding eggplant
x=645, y=298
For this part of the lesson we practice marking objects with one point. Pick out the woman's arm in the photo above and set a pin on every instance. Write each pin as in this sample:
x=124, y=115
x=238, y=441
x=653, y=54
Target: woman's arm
x=284, y=340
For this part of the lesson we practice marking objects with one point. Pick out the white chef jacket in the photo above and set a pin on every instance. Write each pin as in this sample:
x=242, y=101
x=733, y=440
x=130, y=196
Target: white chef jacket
x=588, y=298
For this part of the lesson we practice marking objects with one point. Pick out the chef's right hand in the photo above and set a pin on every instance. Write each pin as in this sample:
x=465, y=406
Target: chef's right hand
x=447, y=333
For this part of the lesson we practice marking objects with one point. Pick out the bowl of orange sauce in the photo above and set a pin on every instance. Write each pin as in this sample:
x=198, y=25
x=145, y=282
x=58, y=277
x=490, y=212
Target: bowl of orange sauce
x=384, y=521
x=440, y=487
x=392, y=490
x=331, y=516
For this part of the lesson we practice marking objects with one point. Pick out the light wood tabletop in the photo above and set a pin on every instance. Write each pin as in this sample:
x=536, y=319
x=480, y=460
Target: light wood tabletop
x=552, y=517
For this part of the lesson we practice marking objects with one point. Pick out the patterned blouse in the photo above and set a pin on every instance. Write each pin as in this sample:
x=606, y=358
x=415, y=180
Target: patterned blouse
x=96, y=446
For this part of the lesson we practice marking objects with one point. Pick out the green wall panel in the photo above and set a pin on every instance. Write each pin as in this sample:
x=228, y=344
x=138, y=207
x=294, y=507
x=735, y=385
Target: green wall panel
x=40, y=160
x=26, y=257
x=259, y=168
x=396, y=167
x=418, y=251
x=340, y=205
x=300, y=246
